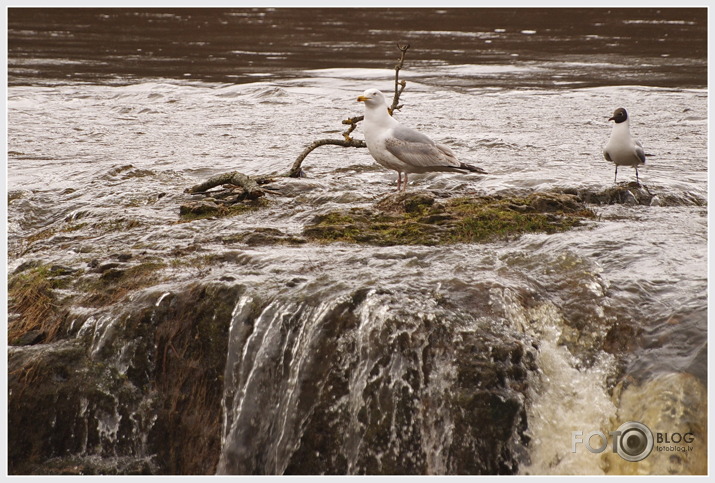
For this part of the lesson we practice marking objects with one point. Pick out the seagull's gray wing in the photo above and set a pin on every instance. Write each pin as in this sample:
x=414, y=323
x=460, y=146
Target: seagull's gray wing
x=407, y=134
x=419, y=152
x=640, y=152
x=420, y=157
x=606, y=155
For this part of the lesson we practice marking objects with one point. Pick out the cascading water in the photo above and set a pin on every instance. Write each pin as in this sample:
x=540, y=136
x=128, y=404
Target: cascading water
x=371, y=381
x=462, y=378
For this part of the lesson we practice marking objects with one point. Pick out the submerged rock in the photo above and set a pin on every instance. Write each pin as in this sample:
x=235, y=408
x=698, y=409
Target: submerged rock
x=674, y=407
x=199, y=208
x=634, y=194
x=263, y=236
x=548, y=202
x=238, y=193
x=211, y=208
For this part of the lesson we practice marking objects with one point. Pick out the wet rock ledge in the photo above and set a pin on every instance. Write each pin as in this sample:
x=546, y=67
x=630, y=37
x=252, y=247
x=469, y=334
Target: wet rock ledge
x=136, y=392
x=420, y=218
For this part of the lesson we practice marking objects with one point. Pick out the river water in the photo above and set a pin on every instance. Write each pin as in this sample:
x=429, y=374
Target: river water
x=113, y=113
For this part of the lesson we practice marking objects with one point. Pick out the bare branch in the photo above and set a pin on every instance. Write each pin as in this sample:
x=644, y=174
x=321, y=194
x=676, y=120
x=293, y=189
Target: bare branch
x=399, y=85
x=296, y=172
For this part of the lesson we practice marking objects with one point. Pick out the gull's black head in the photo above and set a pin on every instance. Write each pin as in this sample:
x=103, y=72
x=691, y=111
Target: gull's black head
x=619, y=115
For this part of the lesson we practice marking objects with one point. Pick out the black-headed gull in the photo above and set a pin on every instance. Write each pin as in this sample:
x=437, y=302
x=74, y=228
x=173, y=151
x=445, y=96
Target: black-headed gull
x=621, y=149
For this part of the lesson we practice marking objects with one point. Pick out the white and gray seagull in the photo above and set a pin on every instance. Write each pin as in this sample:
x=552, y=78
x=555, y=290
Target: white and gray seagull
x=401, y=148
x=622, y=149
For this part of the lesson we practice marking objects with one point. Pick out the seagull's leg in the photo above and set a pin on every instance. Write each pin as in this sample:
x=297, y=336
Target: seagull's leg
x=616, y=176
x=638, y=181
x=399, y=180
x=404, y=185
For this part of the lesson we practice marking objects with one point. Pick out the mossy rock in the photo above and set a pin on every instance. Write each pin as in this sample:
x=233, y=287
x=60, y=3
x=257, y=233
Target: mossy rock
x=263, y=236
x=33, y=303
x=115, y=282
x=212, y=208
x=421, y=219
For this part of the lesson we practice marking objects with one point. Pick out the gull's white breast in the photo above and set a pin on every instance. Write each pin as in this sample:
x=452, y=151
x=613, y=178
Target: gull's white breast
x=621, y=148
x=375, y=136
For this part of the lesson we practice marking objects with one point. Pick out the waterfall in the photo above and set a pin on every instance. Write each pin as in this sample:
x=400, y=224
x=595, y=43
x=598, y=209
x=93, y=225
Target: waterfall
x=371, y=381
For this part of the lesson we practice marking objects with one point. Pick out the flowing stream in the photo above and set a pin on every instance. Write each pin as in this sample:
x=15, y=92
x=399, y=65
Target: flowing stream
x=357, y=359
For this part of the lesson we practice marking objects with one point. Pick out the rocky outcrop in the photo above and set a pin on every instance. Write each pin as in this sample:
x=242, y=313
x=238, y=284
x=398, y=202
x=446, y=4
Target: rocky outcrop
x=118, y=368
x=419, y=218
x=135, y=390
x=324, y=385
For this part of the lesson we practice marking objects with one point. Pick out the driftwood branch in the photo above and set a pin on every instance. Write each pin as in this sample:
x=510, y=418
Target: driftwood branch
x=250, y=187
x=348, y=141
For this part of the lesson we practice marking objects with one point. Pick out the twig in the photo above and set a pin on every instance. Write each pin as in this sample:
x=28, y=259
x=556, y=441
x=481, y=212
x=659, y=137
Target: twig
x=399, y=85
x=353, y=124
x=348, y=141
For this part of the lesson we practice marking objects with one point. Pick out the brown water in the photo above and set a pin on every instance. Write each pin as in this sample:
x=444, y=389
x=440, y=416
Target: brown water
x=184, y=94
x=555, y=47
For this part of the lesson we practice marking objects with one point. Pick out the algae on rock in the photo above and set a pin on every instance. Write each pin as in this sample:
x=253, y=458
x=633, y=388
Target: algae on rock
x=420, y=219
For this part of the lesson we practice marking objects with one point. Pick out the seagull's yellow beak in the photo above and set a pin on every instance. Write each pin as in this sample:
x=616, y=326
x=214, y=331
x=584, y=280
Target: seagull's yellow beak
x=362, y=98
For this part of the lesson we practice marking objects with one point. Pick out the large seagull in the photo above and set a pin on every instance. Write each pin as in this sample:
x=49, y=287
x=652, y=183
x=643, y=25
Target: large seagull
x=401, y=148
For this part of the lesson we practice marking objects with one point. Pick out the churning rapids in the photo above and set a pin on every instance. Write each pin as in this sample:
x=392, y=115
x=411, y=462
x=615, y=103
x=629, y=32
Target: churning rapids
x=249, y=352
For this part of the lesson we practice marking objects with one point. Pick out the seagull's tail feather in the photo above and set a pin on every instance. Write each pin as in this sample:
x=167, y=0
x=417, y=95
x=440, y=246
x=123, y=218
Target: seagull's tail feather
x=470, y=168
x=461, y=168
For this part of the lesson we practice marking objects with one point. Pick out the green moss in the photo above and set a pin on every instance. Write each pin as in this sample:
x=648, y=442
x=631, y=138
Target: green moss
x=221, y=211
x=417, y=219
x=41, y=235
x=74, y=227
x=31, y=295
x=114, y=284
x=117, y=224
x=486, y=219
